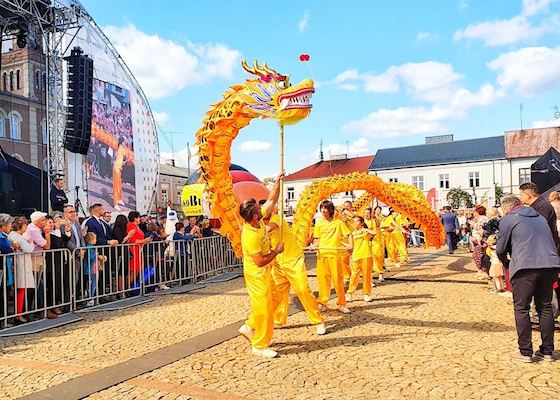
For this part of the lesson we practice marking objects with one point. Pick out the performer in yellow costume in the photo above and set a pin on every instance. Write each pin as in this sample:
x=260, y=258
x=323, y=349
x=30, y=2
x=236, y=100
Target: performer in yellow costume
x=399, y=236
x=289, y=271
x=347, y=216
x=258, y=259
x=377, y=243
x=117, y=176
x=329, y=234
x=387, y=227
x=362, y=260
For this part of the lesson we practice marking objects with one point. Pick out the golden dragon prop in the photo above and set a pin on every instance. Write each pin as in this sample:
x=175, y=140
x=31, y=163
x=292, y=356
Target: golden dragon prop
x=269, y=95
x=406, y=199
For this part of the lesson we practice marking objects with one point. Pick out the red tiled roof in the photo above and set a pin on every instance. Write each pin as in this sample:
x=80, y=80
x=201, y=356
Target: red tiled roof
x=531, y=142
x=332, y=167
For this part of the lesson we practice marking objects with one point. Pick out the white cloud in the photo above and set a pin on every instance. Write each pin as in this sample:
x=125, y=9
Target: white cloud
x=423, y=36
x=529, y=70
x=253, y=146
x=164, y=67
x=546, y=124
x=303, y=23
x=403, y=121
x=532, y=7
x=353, y=149
x=501, y=32
x=161, y=117
x=430, y=81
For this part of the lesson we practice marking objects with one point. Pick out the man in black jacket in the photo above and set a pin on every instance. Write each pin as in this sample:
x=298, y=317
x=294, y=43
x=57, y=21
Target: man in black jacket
x=529, y=194
x=533, y=269
x=57, y=196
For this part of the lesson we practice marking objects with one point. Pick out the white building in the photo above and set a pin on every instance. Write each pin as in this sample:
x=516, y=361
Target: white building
x=474, y=165
x=295, y=183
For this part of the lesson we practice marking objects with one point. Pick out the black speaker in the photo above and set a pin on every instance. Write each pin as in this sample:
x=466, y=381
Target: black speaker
x=80, y=90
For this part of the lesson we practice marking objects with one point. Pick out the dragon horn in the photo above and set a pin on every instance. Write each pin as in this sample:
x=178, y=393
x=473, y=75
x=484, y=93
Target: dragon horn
x=254, y=70
x=269, y=70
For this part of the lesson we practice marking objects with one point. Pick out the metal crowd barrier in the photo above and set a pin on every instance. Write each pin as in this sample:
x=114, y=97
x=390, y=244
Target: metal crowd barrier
x=33, y=285
x=60, y=279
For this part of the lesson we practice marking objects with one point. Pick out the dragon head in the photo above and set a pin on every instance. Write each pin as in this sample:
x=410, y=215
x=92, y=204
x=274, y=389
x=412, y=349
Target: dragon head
x=272, y=95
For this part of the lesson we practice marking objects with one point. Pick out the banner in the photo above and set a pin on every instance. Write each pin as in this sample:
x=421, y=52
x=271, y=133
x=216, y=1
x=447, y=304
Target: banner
x=191, y=199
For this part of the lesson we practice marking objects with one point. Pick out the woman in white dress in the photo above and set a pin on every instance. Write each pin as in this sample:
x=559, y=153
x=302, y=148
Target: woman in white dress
x=25, y=281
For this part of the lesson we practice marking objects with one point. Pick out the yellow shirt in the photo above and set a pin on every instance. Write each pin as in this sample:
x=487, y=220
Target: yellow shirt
x=388, y=222
x=291, y=249
x=361, y=245
x=330, y=236
x=401, y=220
x=254, y=241
x=371, y=224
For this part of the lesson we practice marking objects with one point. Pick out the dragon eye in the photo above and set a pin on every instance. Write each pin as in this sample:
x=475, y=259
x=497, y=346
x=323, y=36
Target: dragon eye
x=282, y=84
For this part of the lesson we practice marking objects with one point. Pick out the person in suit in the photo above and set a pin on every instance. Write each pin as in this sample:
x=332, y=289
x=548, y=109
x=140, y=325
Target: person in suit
x=451, y=224
x=96, y=224
x=57, y=195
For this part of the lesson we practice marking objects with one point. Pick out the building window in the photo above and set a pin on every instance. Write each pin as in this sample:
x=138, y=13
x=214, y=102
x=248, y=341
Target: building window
x=11, y=80
x=418, y=182
x=444, y=181
x=2, y=129
x=4, y=81
x=18, y=157
x=524, y=175
x=18, y=83
x=291, y=193
x=37, y=80
x=15, y=126
x=46, y=164
x=394, y=180
x=474, y=179
x=179, y=196
x=164, y=192
x=44, y=131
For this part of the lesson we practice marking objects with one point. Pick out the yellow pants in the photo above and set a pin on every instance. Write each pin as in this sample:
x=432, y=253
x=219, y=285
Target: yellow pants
x=330, y=267
x=378, y=253
x=391, y=246
x=294, y=274
x=400, y=245
x=346, y=268
x=263, y=297
x=361, y=267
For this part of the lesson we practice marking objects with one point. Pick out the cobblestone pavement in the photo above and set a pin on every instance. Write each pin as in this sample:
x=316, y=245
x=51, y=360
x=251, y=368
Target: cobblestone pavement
x=431, y=333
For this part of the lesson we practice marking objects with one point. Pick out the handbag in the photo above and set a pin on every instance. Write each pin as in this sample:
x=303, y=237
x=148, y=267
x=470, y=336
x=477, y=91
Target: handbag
x=37, y=262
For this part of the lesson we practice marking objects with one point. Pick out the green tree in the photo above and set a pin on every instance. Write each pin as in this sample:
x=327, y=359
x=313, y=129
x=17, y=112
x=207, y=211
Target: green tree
x=458, y=198
x=498, y=193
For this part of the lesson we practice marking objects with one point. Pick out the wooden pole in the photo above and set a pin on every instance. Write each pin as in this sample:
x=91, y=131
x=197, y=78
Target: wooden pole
x=281, y=207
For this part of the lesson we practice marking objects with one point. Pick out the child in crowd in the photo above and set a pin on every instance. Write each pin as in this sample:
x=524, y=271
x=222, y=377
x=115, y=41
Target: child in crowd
x=362, y=260
x=91, y=262
x=496, y=267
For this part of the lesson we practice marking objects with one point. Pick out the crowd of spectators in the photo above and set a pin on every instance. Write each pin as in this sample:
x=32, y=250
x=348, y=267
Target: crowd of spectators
x=35, y=272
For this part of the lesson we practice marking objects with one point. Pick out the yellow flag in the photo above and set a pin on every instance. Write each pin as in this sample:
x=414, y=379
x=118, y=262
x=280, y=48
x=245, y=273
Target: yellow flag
x=191, y=199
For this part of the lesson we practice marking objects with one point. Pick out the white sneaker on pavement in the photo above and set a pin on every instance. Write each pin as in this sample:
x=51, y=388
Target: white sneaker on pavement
x=348, y=297
x=367, y=299
x=163, y=286
x=381, y=279
x=246, y=332
x=397, y=265
x=344, y=309
x=321, y=329
x=267, y=352
x=90, y=303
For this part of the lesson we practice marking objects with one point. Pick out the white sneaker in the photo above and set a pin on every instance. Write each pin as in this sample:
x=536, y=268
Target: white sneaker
x=267, y=352
x=344, y=309
x=381, y=279
x=367, y=299
x=90, y=303
x=397, y=265
x=246, y=332
x=348, y=297
x=321, y=329
x=373, y=284
x=163, y=286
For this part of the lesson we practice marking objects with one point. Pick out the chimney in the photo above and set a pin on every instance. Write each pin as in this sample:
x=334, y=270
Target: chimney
x=170, y=161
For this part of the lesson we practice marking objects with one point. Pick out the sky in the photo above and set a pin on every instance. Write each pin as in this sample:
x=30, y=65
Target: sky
x=387, y=73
